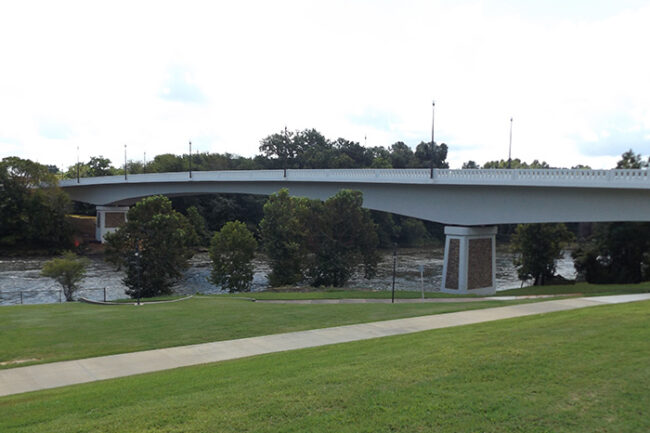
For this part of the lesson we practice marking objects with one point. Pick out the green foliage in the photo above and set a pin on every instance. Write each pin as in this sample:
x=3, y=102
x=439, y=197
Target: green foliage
x=198, y=222
x=631, y=160
x=325, y=241
x=470, y=165
x=537, y=247
x=96, y=166
x=283, y=234
x=232, y=250
x=30, y=216
x=154, y=247
x=68, y=271
x=413, y=233
x=342, y=237
x=515, y=163
x=615, y=253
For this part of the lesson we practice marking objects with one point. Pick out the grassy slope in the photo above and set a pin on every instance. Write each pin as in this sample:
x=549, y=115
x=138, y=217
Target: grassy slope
x=577, y=371
x=335, y=293
x=70, y=331
x=582, y=288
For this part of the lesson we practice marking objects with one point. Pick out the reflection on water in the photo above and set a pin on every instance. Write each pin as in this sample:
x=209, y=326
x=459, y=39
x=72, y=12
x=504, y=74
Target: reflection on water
x=20, y=278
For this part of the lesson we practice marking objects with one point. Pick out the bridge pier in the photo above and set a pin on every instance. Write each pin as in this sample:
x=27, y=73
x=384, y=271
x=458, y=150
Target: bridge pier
x=109, y=218
x=470, y=260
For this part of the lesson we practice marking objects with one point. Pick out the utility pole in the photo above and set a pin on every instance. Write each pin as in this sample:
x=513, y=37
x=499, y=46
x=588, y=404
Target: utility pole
x=510, y=147
x=433, y=118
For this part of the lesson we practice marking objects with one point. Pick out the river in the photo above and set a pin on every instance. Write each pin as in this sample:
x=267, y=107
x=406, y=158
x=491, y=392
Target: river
x=21, y=282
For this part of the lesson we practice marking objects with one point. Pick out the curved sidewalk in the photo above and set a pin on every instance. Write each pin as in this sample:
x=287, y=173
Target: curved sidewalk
x=44, y=376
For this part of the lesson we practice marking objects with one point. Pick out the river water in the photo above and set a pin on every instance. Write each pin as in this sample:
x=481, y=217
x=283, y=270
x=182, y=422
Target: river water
x=21, y=282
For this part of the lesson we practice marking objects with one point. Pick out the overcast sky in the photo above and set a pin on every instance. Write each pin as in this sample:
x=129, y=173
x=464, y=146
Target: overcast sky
x=574, y=75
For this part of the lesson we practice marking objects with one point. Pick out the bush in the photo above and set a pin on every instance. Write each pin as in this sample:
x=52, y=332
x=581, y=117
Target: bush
x=68, y=271
x=232, y=250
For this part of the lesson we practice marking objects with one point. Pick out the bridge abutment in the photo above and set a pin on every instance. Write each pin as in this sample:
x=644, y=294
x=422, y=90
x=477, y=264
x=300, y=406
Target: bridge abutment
x=109, y=218
x=470, y=260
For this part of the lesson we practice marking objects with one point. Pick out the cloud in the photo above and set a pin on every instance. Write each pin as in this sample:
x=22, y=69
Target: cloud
x=53, y=130
x=614, y=143
x=373, y=118
x=180, y=86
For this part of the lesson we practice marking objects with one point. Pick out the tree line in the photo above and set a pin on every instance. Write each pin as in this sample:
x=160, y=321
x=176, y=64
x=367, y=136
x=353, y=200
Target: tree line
x=306, y=149
x=36, y=217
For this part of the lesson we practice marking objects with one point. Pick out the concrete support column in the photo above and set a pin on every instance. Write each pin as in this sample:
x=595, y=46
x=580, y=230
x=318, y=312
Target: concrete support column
x=109, y=218
x=470, y=260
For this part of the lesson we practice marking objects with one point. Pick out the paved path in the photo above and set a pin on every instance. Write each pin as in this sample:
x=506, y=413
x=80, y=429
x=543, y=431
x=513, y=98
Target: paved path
x=44, y=376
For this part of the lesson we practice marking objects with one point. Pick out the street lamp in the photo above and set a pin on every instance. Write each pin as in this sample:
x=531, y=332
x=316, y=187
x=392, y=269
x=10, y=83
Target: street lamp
x=125, y=175
x=433, y=118
x=510, y=146
x=190, y=160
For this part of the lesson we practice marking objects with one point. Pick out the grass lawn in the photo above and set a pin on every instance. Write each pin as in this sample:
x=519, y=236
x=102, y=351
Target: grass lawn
x=338, y=293
x=55, y=332
x=582, y=288
x=585, y=370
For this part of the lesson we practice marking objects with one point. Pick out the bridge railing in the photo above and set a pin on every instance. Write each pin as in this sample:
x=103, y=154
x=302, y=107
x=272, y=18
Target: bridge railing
x=537, y=175
x=559, y=177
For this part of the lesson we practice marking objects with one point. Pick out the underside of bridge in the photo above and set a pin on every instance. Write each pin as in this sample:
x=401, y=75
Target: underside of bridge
x=469, y=261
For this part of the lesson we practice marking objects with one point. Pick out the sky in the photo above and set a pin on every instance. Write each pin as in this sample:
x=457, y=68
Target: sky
x=573, y=75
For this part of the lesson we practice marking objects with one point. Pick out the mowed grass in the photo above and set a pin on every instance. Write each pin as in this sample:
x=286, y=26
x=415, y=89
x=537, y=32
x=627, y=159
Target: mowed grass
x=32, y=334
x=580, y=288
x=585, y=370
x=337, y=293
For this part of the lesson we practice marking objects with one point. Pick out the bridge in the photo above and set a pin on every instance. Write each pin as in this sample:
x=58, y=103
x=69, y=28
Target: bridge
x=469, y=202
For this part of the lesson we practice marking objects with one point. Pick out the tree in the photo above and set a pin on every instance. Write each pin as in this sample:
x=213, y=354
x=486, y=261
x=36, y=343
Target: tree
x=470, y=165
x=401, y=156
x=342, y=236
x=537, y=247
x=423, y=155
x=198, y=222
x=232, y=249
x=283, y=235
x=515, y=163
x=68, y=271
x=32, y=207
x=631, y=160
x=615, y=253
x=100, y=166
x=154, y=246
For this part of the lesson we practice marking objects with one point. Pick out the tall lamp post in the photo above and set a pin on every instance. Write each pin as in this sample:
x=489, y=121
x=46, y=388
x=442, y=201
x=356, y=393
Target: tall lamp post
x=190, y=160
x=125, y=166
x=433, y=150
x=510, y=147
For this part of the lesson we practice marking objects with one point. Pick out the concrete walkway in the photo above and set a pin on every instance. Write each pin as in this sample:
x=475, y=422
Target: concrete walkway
x=44, y=376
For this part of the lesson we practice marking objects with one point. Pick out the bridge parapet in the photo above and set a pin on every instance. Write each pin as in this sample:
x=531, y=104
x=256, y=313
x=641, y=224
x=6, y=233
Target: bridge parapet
x=608, y=179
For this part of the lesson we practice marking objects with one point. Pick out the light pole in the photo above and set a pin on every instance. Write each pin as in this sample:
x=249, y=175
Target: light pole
x=77, y=164
x=510, y=146
x=433, y=118
x=190, y=160
x=125, y=175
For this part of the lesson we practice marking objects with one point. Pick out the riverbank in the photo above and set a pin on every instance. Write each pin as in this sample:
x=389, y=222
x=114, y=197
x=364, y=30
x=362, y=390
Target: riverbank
x=21, y=282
